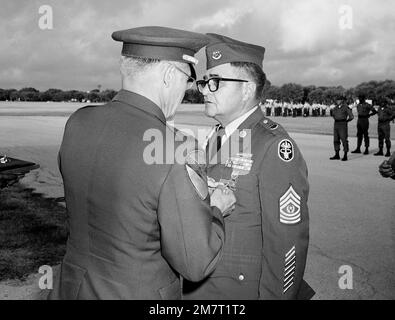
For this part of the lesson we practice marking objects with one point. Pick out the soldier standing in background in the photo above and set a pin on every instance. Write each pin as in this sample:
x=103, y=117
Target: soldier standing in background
x=342, y=114
x=384, y=114
x=365, y=110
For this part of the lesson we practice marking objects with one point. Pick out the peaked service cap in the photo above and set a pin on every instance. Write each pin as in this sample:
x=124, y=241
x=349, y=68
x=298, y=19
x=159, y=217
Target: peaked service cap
x=161, y=43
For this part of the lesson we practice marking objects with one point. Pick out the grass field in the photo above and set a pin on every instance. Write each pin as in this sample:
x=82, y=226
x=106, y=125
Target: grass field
x=33, y=232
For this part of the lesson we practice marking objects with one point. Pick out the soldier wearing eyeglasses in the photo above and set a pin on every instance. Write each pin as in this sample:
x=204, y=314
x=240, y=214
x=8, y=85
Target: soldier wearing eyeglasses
x=136, y=226
x=267, y=233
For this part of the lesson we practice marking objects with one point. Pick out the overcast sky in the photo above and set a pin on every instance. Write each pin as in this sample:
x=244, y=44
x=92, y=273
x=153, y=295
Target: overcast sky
x=304, y=40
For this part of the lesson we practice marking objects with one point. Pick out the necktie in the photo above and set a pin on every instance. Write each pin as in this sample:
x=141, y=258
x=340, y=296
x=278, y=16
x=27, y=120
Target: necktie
x=214, y=143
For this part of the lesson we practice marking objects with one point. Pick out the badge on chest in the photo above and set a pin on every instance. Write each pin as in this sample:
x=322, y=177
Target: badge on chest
x=241, y=165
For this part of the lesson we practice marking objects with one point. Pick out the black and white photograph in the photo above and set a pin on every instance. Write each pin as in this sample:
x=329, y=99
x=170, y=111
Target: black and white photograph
x=205, y=152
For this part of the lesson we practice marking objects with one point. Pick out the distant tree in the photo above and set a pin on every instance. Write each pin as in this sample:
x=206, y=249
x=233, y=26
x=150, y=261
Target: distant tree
x=28, y=90
x=385, y=89
x=331, y=94
x=2, y=95
x=292, y=92
x=93, y=96
x=107, y=95
x=316, y=96
x=7, y=93
x=29, y=94
x=76, y=95
x=49, y=94
x=368, y=89
x=306, y=92
x=14, y=95
x=59, y=96
x=271, y=92
x=350, y=95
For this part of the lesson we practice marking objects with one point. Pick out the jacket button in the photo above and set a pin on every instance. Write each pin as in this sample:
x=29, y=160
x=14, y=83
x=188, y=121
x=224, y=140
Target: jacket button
x=241, y=277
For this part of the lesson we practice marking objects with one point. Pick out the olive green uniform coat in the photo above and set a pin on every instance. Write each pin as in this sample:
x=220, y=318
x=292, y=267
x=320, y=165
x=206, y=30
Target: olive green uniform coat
x=134, y=227
x=264, y=257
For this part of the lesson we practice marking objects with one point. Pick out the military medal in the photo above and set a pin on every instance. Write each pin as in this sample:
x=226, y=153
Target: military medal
x=241, y=165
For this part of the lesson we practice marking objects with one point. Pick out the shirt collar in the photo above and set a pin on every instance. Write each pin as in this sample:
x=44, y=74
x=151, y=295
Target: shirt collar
x=140, y=102
x=231, y=127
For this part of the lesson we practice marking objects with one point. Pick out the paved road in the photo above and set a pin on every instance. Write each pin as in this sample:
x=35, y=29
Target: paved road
x=352, y=208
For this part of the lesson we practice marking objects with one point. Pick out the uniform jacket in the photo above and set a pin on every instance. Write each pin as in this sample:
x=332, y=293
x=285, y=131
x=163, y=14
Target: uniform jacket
x=365, y=110
x=267, y=234
x=384, y=114
x=134, y=227
x=342, y=113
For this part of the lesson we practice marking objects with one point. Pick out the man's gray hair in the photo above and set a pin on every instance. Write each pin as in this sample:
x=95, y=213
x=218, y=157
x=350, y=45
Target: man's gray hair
x=134, y=65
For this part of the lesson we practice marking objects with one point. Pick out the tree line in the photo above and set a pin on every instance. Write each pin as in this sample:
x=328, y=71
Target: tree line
x=289, y=92
x=295, y=93
x=32, y=94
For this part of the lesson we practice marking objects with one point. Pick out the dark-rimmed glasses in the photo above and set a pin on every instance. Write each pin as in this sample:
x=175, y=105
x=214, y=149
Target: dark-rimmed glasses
x=213, y=83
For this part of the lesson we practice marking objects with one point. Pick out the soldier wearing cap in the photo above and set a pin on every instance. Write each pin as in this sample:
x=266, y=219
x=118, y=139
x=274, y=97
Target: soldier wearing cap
x=365, y=111
x=137, y=224
x=267, y=233
x=342, y=114
x=384, y=115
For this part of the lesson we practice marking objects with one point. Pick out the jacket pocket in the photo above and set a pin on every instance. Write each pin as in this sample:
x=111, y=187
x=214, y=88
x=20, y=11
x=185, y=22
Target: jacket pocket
x=171, y=291
x=239, y=267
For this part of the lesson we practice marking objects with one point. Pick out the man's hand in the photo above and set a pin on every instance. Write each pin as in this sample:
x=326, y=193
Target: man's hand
x=212, y=185
x=224, y=199
x=387, y=167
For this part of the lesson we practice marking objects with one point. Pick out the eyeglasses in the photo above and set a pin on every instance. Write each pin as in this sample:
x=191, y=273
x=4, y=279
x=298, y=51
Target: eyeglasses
x=213, y=83
x=190, y=80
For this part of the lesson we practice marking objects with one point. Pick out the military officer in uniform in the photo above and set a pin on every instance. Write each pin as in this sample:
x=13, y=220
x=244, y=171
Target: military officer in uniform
x=342, y=114
x=135, y=226
x=365, y=110
x=267, y=233
x=384, y=114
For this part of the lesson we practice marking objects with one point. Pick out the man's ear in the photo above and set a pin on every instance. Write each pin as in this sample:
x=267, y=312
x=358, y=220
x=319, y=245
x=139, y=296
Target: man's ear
x=168, y=75
x=249, y=89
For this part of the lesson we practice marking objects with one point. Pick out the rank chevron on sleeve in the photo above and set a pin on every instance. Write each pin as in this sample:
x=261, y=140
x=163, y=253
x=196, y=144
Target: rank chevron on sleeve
x=290, y=207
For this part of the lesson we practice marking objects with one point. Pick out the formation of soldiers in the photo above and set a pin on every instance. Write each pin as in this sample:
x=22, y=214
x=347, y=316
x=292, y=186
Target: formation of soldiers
x=341, y=111
x=285, y=109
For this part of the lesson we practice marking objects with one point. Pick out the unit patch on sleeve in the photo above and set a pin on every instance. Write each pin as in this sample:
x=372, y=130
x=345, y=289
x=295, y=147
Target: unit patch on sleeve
x=286, y=150
x=290, y=207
